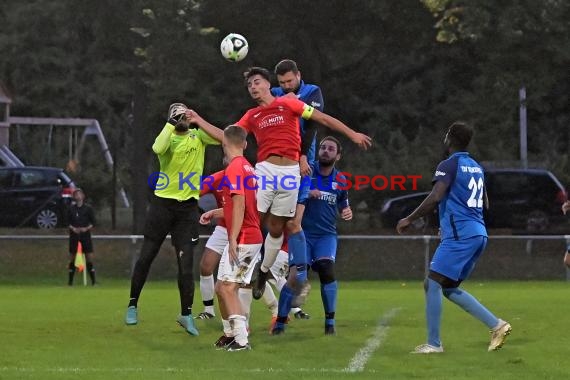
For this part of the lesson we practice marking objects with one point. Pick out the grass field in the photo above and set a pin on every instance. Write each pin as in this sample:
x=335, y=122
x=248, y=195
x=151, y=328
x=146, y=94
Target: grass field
x=50, y=331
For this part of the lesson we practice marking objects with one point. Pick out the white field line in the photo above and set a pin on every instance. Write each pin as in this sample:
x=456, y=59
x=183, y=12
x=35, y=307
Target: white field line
x=360, y=359
x=356, y=364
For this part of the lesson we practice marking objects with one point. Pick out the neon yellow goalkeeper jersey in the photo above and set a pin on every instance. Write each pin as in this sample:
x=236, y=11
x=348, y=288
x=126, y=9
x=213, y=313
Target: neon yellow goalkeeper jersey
x=181, y=160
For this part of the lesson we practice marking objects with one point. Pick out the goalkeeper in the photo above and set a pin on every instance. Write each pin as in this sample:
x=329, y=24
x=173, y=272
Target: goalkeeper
x=174, y=207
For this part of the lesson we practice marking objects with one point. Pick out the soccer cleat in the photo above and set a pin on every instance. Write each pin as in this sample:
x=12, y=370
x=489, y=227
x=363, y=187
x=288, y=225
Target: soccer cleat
x=223, y=342
x=499, y=335
x=205, y=315
x=258, y=281
x=301, y=315
x=300, y=298
x=277, y=330
x=187, y=322
x=329, y=330
x=131, y=316
x=427, y=349
x=274, y=323
x=235, y=346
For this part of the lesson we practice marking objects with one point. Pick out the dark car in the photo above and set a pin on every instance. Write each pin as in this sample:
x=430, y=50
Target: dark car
x=38, y=196
x=527, y=199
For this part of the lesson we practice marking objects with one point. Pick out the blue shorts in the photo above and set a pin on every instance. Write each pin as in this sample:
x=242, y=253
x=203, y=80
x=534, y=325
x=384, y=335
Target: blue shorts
x=322, y=247
x=456, y=259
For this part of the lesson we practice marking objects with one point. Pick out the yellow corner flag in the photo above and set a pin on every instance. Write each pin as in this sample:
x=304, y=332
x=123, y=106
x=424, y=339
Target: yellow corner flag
x=80, y=258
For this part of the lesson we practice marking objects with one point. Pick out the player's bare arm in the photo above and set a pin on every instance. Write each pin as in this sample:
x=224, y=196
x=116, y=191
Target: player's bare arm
x=426, y=207
x=346, y=213
x=566, y=207
x=360, y=139
x=207, y=217
x=306, y=143
x=304, y=166
x=215, y=132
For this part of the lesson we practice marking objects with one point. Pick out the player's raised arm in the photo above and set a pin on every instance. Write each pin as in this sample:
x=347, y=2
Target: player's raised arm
x=427, y=206
x=215, y=132
x=360, y=139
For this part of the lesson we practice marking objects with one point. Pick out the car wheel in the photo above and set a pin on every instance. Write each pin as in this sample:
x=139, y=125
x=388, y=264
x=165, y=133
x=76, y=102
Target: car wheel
x=47, y=219
x=537, y=221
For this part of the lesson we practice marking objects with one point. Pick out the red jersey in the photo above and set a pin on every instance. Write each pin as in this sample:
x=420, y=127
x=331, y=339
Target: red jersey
x=211, y=185
x=239, y=178
x=276, y=127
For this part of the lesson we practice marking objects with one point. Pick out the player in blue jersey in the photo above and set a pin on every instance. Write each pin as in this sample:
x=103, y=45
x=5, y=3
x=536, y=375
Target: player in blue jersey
x=290, y=83
x=323, y=200
x=459, y=189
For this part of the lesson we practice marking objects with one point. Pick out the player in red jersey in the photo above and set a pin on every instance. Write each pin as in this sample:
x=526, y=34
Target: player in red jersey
x=244, y=237
x=214, y=246
x=274, y=123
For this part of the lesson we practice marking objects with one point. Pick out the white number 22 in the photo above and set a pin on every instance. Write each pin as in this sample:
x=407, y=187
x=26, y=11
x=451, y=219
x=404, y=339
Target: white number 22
x=475, y=200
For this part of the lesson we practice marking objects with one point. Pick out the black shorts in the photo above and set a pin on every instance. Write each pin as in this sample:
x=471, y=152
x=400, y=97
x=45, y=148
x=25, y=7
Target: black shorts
x=179, y=218
x=84, y=238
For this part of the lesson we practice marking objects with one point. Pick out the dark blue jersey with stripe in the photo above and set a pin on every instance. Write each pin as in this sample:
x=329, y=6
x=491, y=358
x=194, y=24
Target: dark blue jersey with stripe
x=321, y=213
x=461, y=210
x=309, y=94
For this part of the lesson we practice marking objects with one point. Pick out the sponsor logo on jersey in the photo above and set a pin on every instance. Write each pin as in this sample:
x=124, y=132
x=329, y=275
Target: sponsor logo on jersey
x=271, y=121
x=471, y=169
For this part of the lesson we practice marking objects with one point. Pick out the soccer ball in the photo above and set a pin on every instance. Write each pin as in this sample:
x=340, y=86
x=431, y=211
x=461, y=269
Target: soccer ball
x=234, y=47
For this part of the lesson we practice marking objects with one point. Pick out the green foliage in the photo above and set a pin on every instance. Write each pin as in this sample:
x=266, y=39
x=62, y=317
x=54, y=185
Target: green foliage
x=383, y=69
x=515, y=44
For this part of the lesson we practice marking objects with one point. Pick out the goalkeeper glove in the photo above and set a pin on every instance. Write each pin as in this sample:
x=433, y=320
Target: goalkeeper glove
x=176, y=112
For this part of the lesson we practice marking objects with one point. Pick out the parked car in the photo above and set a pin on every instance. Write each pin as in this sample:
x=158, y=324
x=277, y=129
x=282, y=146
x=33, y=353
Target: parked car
x=38, y=196
x=527, y=199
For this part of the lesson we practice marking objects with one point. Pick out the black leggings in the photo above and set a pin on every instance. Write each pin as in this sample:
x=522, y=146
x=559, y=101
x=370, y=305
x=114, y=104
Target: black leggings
x=180, y=219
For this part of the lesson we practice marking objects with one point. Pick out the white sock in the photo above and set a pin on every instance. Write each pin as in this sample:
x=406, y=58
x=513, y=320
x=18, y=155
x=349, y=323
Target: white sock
x=270, y=300
x=239, y=329
x=207, y=291
x=245, y=298
x=295, y=310
x=227, y=327
x=272, y=247
x=280, y=283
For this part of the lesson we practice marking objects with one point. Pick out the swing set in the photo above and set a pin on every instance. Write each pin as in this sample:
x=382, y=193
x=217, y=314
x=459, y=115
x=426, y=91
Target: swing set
x=76, y=141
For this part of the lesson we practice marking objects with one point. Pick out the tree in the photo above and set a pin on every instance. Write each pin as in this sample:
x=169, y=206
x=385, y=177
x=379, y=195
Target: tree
x=517, y=43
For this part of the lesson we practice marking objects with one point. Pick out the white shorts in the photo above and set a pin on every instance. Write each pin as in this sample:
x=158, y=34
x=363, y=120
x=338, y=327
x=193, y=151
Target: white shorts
x=280, y=267
x=218, y=240
x=240, y=274
x=278, y=188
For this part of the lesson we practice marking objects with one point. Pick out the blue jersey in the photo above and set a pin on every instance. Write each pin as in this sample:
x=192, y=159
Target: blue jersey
x=309, y=94
x=321, y=213
x=461, y=210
